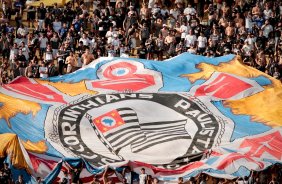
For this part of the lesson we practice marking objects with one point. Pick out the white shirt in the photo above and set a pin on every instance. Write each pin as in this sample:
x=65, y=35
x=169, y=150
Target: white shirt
x=247, y=49
x=85, y=41
x=48, y=56
x=133, y=43
x=151, y=3
x=248, y=22
x=43, y=42
x=22, y=31
x=267, y=13
x=191, y=51
x=267, y=29
x=251, y=42
x=57, y=26
x=26, y=51
x=93, y=44
x=43, y=69
x=184, y=30
x=128, y=177
x=79, y=63
x=111, y=53
x=202, y=41
x=174, y=13
x=188, y=11
x=142, y=178
x=190, y=40
x=95, y=5
x=116, y=43
x=13, y=53
x=109, y=34
x=164, y=12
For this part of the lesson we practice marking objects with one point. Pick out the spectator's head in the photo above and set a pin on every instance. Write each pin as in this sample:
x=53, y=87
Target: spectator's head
x=180, y=180
x=143, y=170
x=20, y=177
x=6, y=165
x=191, y=32
x=38, y=179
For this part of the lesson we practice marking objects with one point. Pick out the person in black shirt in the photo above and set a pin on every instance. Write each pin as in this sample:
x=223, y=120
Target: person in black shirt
x=260, y=41
x=20, y=180
x=41, y=15
x=23, y=62
x=31, y=11
x=56, y=12
x=142, y=52
x=52, y=69
x=7, y=174
x=75, y=173
x=3, y=178
x=61, y=59
x=48, y=21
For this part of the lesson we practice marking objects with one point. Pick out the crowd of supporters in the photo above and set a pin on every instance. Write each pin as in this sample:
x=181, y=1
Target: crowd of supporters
x=273, y=175
x=46, y=41
x=52, y=40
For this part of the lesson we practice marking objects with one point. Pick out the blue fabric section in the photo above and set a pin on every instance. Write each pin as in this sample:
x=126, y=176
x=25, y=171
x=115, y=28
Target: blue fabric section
x=244, y=126
x=31, y=124
x=53, y=175
x=261, y=80
x=92, y=169
x=211, y=160
x=16, y=172
x=23, y=125
x=242, y=171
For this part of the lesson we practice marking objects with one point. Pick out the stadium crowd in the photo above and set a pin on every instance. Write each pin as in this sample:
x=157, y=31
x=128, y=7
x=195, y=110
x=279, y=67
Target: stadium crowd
x=52, y=40
x=46, y=41
x=273, y=175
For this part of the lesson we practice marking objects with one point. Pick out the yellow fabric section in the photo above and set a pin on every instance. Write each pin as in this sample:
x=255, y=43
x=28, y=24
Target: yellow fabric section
x=35, y=147
x=71, y=89
x=265, y=106
x=49, y=2
x=11, y=106
x=9, y=146
x=235, y=66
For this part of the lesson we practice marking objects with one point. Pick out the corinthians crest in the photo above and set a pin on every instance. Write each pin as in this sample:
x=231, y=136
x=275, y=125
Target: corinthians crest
x=162, y=129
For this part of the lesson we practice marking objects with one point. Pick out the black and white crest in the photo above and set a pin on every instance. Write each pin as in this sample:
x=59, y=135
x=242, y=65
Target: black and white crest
x=161, y=129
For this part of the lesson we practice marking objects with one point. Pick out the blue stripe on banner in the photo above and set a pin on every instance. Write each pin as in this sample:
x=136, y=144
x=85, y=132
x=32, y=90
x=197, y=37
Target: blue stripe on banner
x=243, y=124
x=53, y=175
x=92, y=169
x=242, y=171
x=211, y=160
x=16, y=172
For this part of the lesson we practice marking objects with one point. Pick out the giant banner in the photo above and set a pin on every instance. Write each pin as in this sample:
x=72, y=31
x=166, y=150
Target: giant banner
x=178, y=117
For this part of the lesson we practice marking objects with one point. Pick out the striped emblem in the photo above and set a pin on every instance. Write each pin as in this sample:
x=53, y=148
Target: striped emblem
x=161, y=132
x=120, y=136
x=140, y=136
